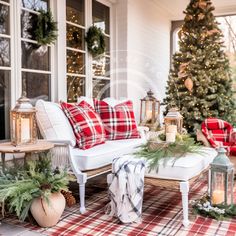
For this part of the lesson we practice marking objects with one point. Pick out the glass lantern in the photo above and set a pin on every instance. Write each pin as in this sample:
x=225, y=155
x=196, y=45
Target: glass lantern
x=173, y=120
x=23, y=122
x=221, y=179
x=150, y=111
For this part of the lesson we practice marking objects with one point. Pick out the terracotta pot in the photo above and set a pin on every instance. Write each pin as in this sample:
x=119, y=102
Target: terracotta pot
x=47, y=215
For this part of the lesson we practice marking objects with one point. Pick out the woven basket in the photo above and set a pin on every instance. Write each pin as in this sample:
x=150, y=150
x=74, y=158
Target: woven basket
x=154, y=145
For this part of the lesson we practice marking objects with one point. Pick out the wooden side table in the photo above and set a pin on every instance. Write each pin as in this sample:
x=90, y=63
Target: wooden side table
x=28, y=149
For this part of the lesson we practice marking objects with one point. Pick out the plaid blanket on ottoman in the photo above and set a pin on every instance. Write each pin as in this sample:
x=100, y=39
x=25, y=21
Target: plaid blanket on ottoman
x=126, y=189
x=219, y=133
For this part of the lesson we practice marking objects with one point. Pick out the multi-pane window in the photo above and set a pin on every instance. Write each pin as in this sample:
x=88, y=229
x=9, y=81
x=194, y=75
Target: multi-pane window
x=101, y=64
x=35, y=59
x=75, y=48
x=83, y=71
x=5, y=67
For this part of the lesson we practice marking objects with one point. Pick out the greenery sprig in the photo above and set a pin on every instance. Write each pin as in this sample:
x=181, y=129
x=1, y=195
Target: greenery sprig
x=43, y=28
x=183, y=145
x=217, y=212
x=95, y=41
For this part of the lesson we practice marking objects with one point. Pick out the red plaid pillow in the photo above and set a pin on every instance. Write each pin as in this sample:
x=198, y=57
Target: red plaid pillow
x=119, y=121
x=86, y=124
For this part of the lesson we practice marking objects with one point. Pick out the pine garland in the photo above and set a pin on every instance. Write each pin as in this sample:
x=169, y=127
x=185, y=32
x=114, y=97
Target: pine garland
x=19, y=188
x=217, y=212
x=43, y=28
x=95, y=41
x=165, y=151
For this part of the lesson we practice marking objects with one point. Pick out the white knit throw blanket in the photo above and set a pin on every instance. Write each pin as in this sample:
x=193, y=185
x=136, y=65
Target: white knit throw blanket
x=126, y=189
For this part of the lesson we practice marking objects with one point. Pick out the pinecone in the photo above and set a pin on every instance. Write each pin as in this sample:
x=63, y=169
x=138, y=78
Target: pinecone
x=70, y=199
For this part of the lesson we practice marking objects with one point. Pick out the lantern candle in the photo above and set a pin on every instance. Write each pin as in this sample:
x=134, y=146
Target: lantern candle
x=171, y=129
x=217, y=197
x=170, y=137
x=25, y=129
x=148, y=115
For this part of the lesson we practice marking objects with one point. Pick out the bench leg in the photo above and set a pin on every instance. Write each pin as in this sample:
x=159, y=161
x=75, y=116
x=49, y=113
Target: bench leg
x=82, y=179
x=184, y=189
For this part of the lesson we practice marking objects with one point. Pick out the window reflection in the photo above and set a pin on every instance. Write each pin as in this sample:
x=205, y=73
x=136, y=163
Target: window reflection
x=34, y=57
x=4, y=103
x=75, y=37
x=35, y=4
x=75, y=88
x=75, y=11
x=4, y=19
x=101, y=88
x=101, y=66
x=4, y=52
x=75, y=62
x=36, y=85
x=101, y=15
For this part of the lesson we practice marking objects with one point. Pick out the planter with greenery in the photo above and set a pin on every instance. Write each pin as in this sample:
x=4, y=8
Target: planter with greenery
x=36, y=187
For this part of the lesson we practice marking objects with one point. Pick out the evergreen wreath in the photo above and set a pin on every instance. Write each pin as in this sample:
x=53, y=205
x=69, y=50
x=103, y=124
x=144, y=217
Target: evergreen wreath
x=95, y=41
x=43, y=28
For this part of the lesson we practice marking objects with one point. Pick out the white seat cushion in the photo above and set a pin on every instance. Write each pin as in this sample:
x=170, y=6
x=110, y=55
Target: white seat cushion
x=185, y=167
x=103, y=154
x=52, y=122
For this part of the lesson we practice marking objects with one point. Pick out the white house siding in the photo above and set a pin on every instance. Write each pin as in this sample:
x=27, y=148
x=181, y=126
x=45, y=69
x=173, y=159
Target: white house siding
x=148, y=50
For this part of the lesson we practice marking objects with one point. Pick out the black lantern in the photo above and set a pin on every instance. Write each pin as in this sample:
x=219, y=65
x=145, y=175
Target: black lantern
x=150, y=111
x=221, y=179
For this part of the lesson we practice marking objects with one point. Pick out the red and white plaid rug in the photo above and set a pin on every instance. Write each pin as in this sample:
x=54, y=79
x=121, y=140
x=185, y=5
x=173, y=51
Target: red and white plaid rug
x=162, y=215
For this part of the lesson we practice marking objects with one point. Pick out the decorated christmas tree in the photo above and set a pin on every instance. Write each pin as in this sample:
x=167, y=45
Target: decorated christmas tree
x=199, y=82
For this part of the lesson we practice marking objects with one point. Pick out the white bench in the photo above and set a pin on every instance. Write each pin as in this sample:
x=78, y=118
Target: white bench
x=180, y=174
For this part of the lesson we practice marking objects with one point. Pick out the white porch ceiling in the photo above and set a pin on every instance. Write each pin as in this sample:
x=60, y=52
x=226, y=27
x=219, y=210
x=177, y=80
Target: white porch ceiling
x=175, y=8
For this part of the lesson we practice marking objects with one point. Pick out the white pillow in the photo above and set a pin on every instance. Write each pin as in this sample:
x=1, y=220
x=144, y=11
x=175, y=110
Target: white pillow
x=52, y=122
x=86, y=99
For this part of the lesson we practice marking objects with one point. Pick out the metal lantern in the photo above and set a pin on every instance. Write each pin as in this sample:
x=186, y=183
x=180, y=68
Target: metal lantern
x=174, y=119
x=23, y=122
x=150, y=111
x=221, y=179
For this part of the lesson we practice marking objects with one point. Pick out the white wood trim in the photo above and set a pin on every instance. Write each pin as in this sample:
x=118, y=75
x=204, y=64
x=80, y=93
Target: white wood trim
x=61, y=50
x=5, y=35
x=5, y=3
x=76, y=75
x=88, y=59
x=29, y=10
x=52, y=84
x=36, y=71
x=76, y=50
x=101, y=78
x=74, y=24
x=5, y=68
x=29, y=40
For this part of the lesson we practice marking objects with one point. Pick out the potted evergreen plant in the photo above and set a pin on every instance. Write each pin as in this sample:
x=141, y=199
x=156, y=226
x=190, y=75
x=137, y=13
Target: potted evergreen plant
x=36, y=188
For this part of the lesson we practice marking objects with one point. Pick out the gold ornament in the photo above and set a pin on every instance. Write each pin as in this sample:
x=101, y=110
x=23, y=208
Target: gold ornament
x=188, y=84
x=202, y=4
x=201, y=16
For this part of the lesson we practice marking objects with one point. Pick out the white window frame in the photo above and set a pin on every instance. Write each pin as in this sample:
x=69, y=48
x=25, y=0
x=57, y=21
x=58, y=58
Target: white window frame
x=60, y=7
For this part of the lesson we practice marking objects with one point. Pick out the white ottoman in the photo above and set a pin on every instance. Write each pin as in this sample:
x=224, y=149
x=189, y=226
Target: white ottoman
x=181, y=171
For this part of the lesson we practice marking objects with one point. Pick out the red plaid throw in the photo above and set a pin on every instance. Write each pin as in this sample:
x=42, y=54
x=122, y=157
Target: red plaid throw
x=119, y=121
x=218, y=133
x=87, y=125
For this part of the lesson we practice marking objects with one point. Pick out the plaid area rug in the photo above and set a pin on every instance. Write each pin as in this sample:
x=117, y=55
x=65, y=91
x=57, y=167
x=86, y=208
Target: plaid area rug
x=162, y=215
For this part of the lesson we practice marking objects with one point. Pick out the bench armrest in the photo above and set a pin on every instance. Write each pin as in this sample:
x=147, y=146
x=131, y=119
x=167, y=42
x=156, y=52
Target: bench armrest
x=142, y=131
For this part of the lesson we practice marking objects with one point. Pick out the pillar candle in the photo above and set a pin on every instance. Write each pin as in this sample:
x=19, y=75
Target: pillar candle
x=25, y=129
x=171, y=129
x=170, y=137
x=217, y=196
